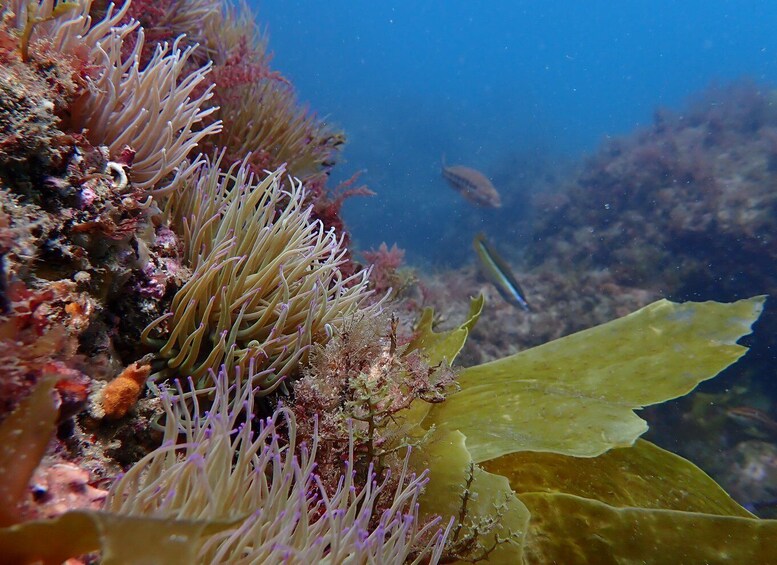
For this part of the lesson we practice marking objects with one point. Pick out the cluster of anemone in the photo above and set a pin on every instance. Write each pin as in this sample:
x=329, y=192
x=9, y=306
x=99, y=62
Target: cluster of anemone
x=223, y=487
x=147, y=116
x=219, y=467
x=266, y=282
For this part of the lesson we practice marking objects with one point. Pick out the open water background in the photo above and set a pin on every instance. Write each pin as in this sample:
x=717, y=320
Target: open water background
x=516, y=89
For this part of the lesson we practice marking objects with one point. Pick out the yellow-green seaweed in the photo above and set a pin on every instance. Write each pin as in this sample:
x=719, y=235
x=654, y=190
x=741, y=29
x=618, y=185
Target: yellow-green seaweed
x=636, y=504
x=558, y=423
x=490, y=494
x=572, y=530
x=577, y=395
x=438, y=347
x=643, y=476
x=121, y=540
x=446, y=345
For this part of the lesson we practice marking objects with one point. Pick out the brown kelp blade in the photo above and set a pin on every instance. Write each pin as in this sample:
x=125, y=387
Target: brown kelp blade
x=577, y=395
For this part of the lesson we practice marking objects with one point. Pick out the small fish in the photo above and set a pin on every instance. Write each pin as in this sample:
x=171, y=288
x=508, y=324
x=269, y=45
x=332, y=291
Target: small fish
x=473, y=185
x=756, y=422
x=499, y=273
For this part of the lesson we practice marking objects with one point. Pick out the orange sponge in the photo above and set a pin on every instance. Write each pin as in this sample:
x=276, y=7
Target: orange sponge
x=121, y=394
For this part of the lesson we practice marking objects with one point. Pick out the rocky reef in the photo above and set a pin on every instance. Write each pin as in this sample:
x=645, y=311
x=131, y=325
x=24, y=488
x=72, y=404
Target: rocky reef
x=684, y=208
x=194, y=369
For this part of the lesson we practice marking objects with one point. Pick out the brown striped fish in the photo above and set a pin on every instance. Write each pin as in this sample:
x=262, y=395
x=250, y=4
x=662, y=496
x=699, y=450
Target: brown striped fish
x=473, y=185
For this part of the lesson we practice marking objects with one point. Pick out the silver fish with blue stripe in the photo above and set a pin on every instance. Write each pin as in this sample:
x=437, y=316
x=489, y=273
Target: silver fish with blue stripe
x=499, y=274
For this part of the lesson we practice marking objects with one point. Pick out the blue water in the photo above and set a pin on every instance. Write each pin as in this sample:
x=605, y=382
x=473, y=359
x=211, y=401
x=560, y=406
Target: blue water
x=501, y=86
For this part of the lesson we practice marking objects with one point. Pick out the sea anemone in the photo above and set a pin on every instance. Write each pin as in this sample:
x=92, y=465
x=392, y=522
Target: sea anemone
x=126, y=99
x=124, y=95
x=218, y=465
x=266, y=281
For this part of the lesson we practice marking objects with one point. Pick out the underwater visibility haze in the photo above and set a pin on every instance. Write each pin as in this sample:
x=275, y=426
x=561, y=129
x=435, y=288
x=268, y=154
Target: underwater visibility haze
x=430, y=282
x=516, y=89
x=633, y=147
